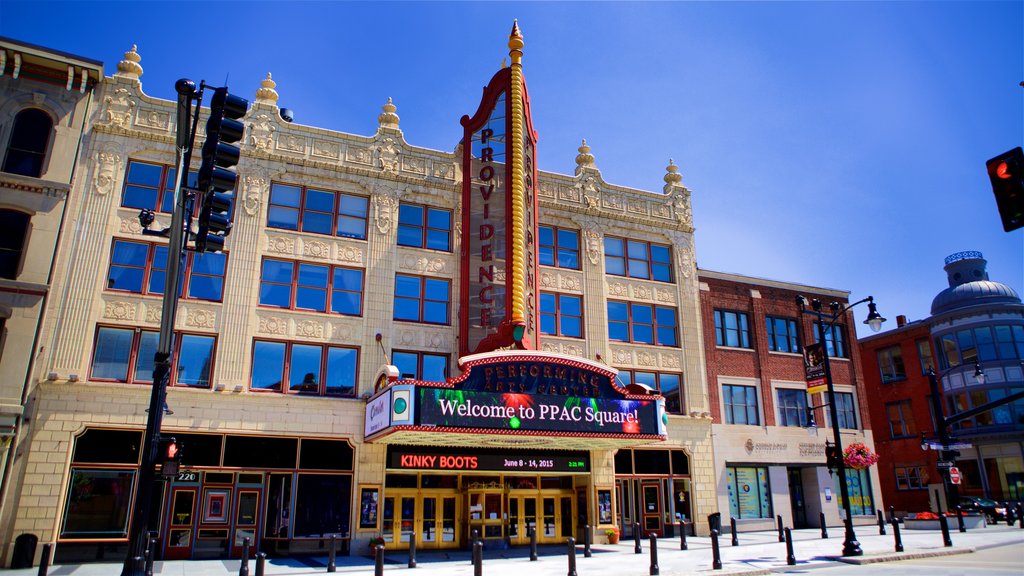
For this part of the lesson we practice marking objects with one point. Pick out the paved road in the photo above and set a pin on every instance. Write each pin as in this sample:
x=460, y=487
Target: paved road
x=1004, y=560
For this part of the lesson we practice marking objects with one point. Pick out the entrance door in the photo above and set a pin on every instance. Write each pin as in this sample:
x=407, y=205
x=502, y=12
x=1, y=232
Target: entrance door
x=246, y=521
x=522, y=515
x=796, y=497
x=178, y=545
x=651, y=511
x=437, y=522
x=398, y=516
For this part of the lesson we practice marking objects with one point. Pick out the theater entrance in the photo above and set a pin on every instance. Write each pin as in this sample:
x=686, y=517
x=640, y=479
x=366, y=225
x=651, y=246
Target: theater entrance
x=431, y=515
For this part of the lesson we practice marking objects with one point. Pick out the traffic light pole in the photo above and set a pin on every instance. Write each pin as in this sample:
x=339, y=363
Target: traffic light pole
x=138, y=534
x=946, y=454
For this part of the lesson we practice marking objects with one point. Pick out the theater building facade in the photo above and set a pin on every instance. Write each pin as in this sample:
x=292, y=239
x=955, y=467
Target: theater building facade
x=397, y=343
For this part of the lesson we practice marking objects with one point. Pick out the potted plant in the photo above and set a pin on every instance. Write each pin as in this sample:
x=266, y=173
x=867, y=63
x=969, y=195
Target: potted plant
x=374, y=542
x=612, y=534
x=858, y=456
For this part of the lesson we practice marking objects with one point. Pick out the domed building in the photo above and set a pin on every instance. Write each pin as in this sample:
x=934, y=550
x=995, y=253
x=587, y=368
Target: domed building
x=974, y=341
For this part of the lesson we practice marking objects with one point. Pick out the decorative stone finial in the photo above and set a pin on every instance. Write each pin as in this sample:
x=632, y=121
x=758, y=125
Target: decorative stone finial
x=266, y=92
x=388, y=119
x=584, y=159
x=672, y=176
x=515, y=43
x=130, y=65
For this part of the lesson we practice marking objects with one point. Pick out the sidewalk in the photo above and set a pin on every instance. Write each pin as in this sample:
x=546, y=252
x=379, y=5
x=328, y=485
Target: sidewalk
x=758, y=553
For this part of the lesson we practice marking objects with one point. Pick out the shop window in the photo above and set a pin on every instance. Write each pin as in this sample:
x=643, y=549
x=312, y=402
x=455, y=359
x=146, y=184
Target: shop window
x=291, y=367
x=749, y=492
x=424, y=227
x=680, y=463
x=422, y=299
x=317, y=211
x=98, y=503
x=890, y=364
x=642, y=324
x=740, y=404
x=307, y=286
x=13, y=237
x=559, y=248
x=561, y=315
x=200, y=449
x=325, y=455
x=637, y=259
x=901, y=419
x=924, y=354
x=149, y=186
x=732, y=329
x=782, y=334
x=126, y=355
x=835, y=341
x=911, y=477
x=322, y=505
x=260, y=452
x=30, y=139
x=101, y=446
x=792, y=406
x=651, y=462
x=140, y=268
x=279, y=506
x=665, y=383
x=421, y=366
x=858, y=484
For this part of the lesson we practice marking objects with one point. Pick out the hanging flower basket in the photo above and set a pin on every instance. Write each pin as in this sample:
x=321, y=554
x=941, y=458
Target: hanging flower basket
x=858, y=456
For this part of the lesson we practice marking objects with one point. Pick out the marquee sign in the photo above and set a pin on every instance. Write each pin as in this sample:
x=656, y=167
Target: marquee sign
x=485, y=460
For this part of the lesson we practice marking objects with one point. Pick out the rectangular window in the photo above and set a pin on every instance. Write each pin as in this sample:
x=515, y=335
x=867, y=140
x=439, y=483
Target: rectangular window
x=300, y=368
x=307, y=286
x=792, y=407
x=740, y=403
x=561, y=315
x=642, y=324
x=559, y=248
x=732, y=329
x=421, y=366
x=422, y=299
x=835, y=342
x=924, y=353
x=317, y=211
x=140, y=267
x=782, y=334
x=901, y=419
x=666, y=383
x=890, y=364
x=127, y=355
x=749, y=492
x=150, y=186
x=637, y=259
x=911, y=477
x=98, y=504
x=424, y=227
x=846, y=410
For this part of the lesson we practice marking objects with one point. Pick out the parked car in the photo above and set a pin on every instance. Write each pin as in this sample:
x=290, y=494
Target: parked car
x=994, y=510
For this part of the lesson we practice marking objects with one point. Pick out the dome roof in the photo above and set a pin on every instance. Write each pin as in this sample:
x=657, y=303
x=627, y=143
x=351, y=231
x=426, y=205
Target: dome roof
x=969, y=285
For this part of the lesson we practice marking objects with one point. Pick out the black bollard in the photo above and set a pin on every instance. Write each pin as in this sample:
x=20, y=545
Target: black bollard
x=896, y=533
x=892, y=513
x=331, y=553
x=682, y=536
x=150, y=552
x=261, y=561
x=716, y=556
x=1009, y=515
x=655, y=570
x=412, y=550
x=735, y=536
x=243, y=568
x=570, y=545
x=636, y=539
x=44, y=561
x=378, y=560
x=944, y=524
x=824, y=528
x=533, y=543
x=586, y=542
x=790, y=556
x=960, y=519
x=474, y=536
x=881, y=523
x=478, y=558
x=778, y=521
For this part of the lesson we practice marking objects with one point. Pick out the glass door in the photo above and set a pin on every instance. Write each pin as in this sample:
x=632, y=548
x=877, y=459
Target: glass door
x=398, y=516
x=180, y=522
x=246, y=521
x=522, y=516
x=796, y=498
x=651, y=494
x=437, y=522
x=486, y=514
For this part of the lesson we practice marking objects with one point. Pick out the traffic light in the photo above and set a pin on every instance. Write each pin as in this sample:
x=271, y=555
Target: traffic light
x=831, y=457
x=1006, y=172
x=169, y=457
x=216, y=179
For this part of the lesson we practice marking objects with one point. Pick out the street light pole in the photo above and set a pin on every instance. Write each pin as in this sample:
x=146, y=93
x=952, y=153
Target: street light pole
x=851, y=547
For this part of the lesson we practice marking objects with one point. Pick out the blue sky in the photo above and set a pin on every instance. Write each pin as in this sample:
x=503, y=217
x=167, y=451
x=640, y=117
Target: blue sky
x=837, y=144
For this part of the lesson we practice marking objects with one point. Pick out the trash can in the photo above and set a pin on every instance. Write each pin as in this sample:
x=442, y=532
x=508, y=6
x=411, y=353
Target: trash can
x=715, y=522
x=24, y=551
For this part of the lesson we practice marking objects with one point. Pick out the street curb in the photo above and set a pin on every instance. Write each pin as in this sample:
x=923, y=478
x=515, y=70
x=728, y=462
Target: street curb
x=896, y=556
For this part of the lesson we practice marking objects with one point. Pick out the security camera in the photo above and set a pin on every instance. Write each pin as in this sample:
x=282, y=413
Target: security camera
x=287, y=115
x=146, y=218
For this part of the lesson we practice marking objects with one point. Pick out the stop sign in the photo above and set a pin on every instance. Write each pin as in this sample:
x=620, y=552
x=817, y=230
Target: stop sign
x=954, y=475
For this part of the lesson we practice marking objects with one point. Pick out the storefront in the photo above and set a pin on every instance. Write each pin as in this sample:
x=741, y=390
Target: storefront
x=653, y=489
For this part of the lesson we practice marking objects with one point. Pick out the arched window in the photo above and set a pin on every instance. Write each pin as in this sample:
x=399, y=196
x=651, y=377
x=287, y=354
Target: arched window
x=29, y=138
x=13, y=233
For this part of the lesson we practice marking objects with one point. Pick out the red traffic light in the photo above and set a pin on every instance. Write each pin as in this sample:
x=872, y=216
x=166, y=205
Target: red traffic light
x=1002, y=171
x=1006, y=174
x=172, y=451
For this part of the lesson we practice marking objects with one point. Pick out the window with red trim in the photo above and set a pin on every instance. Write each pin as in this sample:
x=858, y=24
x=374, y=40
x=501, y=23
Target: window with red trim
x=127, y=355
x=301, y=368
x=318, y=211
x=309, y=286
x=422, y=299
x=150, y=186
x=637, y=259
x=420, y=365
x=140, y=267
x=561, y=315
x=642, y=323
